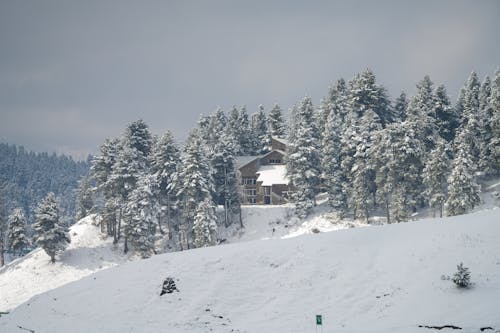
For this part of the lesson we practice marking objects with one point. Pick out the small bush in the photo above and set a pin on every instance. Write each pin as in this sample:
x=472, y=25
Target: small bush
x=462, y=276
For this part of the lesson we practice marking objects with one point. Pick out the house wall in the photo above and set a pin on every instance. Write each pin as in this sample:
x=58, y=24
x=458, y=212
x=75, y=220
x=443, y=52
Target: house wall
x=274, y=155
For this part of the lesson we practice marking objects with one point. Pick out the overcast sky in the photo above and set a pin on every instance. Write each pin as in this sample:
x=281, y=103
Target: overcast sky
x=73, y=73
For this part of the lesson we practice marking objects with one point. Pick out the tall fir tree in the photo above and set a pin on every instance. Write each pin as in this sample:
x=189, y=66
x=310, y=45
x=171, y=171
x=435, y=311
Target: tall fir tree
x=17, y=239
x=195, y=178
x=261, y=133
x=494, y=144
x=165, y=159
x=140, y=215
x=303, y=158
x=435, y=176
x=486, y=164
x=205, y=224
x=463, y=191
x=84, y=199
x=446, y=119
x=400, y=106
x=276, y=122
x=49, y=233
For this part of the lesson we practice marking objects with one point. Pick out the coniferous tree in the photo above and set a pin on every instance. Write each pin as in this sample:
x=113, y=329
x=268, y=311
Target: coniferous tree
x=494, y=144
x=276, y=122
x=463, y=192
x=2, y=231
x=205, y=224
x=486, y=164
x=246, y=140
x=434, y=177
x=49, y=233
x=165, y=160
x=331, y=150
x=139, y=216
x=446, y=119
x=261, y=134
x=17, y=240
x=303, y=159
x=85, y=201
x=195, y=178
x=234, y=130
x=400, y=106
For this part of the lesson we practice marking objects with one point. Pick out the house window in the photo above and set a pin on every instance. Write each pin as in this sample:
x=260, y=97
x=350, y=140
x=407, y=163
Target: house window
x=249, y=181
x=274, y=161
x=250, y=195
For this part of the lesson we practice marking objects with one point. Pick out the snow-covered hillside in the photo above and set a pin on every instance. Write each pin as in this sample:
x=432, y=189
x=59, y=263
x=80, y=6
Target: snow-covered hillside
x=33, y=274
x=383, y=279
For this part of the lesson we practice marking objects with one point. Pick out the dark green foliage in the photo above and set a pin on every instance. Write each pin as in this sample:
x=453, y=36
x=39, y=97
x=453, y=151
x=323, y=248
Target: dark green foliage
x=462, y=276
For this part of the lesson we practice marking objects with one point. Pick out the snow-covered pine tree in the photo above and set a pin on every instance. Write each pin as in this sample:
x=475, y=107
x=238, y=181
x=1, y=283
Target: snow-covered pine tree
x=234, y=131
x=462, y=277
x=2, y=236
x=140, y=217
x=165, y=159
x=400, y=106
x=132, y=162
x=463, y=192
x=48, y=231
x=446, y=119
x=362, y=175
x=17, y=240
x=486, y=164
x=84, y=199
x=261, y=132
x=101, y=171
x=195, y=183
x=246, y=138
x=205, y=224
x=435, y=176
x=470, y=121
x=227, y=189
x=494, y=145
x=303, y=159
x=331, y=149
x=276, y=122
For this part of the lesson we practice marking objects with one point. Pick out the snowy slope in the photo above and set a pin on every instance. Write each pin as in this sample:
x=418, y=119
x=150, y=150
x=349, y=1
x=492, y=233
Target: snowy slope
x=379, y=279
x=33, y=274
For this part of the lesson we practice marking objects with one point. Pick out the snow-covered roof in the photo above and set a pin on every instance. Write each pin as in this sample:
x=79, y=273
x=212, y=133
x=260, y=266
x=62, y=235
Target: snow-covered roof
x=272, y=175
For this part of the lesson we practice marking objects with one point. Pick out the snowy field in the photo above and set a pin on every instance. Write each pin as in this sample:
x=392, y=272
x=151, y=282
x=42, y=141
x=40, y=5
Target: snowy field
x=380, y=279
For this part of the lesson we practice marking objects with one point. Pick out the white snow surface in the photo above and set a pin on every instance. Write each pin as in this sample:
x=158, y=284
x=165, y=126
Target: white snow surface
x=273, y=175
x=380, y=279
x=33, y=274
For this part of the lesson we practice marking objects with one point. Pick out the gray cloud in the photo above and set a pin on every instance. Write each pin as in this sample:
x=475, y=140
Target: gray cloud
x=74, y=73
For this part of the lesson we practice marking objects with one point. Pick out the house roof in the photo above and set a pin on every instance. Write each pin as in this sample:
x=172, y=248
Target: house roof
x=273, y=174
x=282, y=140
x=241, y=161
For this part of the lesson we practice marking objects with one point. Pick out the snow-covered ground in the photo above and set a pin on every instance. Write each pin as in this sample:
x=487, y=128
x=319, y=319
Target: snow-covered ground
x=380, y=279
x=33, y=274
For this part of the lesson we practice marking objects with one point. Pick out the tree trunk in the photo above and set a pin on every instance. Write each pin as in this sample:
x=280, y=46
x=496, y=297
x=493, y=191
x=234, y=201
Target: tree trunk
x=159, y=214
x=2, y=259
x=241, y=218
x=53, y=258
x=387, y=211
x=125, y=246
x=169, y=226
x=118, y=230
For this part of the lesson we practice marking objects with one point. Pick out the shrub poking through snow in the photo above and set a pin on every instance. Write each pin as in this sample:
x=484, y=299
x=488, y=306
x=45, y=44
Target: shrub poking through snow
x=462, y=276
x=168, y=286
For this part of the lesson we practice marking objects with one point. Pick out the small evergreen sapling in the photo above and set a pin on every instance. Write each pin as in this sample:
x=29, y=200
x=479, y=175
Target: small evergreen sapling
x=462, y=276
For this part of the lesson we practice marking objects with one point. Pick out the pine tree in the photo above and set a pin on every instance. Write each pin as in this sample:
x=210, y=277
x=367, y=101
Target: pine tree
x=246, y=138
x=276, y=122
x=234, y=130
x=303, y=159
x=486, y=117
x=463, y=192
x=85, y=202
x=261, y=134
x=434, y=176
x=470, y=121
x=333, y=174
x=2, y=231
x=462, y=276
x=205, y=224
x=446, y=118
x=400, y=106
x=165, y=160
x=49, y=233
x=494, y=144
x=195, y=177
x=17, y=240
x=140, y=216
